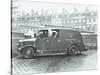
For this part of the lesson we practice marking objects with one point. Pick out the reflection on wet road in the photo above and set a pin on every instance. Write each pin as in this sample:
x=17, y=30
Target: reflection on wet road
x=59, y=63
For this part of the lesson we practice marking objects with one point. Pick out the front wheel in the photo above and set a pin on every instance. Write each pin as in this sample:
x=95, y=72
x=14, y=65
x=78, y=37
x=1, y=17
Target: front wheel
x=28, y=52
x=73, y=50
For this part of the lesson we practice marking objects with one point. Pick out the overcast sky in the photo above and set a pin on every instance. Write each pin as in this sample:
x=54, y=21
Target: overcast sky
x=27, y=5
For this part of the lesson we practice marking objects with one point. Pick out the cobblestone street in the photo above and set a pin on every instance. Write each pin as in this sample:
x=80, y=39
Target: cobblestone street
x=59, y=63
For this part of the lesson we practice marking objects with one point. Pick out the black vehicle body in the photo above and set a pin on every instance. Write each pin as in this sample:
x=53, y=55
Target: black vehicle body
x=66, y=41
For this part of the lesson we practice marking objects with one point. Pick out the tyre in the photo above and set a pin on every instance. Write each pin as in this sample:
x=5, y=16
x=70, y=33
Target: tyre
x=28, y=52
x=73, y=50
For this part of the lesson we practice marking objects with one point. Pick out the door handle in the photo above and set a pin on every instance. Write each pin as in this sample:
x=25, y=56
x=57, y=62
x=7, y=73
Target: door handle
x=59, y=40
x=47, y=40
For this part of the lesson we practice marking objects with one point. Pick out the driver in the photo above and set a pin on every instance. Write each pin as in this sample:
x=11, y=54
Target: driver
x=49, y=33
x=54, y=34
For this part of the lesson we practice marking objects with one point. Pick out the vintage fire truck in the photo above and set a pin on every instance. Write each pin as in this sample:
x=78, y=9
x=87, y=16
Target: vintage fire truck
x=52, y=42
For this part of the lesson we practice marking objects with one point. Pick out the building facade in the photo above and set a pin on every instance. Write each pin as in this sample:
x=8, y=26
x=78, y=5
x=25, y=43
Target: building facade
x=84, y=21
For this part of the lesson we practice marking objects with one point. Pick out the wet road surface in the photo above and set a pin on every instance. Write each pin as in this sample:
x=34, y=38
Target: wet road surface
x=59, y=63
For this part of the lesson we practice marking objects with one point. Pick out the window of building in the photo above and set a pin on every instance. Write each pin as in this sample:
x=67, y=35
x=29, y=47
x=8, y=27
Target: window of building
x=64, y=21
x=87, y=20
x=83, y=27
x=83, y=20
x=75, y=21
x=22, y=31
x=46, y=17
x=92, y=13
x=90, y=20
x=72, y=21
x=56, y=16
x=93, y=27
x=88, y=27
x=35, y=18
x=75, y=27
x=79, y=26
x=79, y=21
x=94, y=20
x=68, y=21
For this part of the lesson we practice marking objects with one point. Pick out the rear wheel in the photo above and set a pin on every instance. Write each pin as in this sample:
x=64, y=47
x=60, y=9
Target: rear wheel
x=73, y=50
x=28, y=52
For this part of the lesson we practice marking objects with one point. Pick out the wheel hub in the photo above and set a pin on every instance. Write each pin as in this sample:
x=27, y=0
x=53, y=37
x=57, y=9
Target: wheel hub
x=74, y=51
x=28, y=51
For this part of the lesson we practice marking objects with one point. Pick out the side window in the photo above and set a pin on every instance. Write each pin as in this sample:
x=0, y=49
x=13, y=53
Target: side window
x=43, y=33
x=55, y=33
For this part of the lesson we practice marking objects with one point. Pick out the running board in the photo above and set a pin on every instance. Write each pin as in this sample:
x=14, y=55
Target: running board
x=52, y=54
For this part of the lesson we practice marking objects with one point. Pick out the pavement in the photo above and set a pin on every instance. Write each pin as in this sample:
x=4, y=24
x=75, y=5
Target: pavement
x=59, y=63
